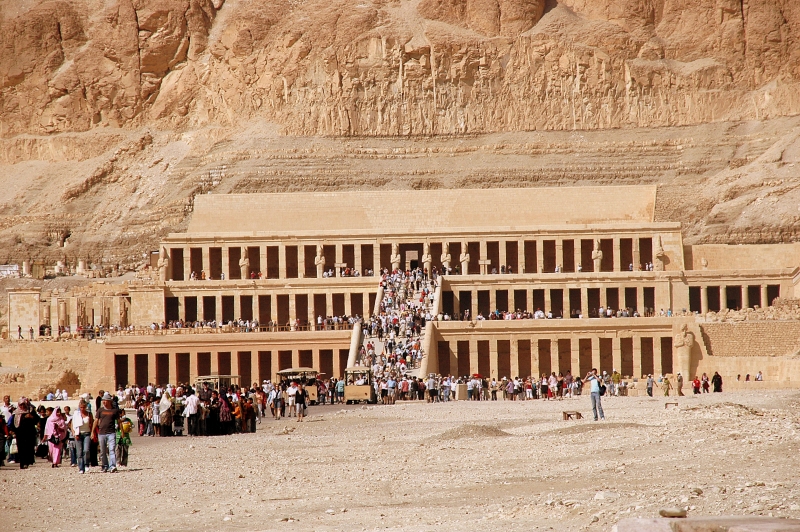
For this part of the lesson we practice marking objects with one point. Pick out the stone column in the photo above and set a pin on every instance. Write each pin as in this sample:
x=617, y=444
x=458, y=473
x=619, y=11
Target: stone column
x=376, y=257
x=723, y=297
x=200, y=307
x=520, y=266
x=764, y=297
x=132, y=371
x=357, y=260
x=618, y=267
x=494, y=369
x=596, y=354
x=603, y=296
x=281, y=261
x=535, y=358
x=503, y=259
x=301, y=260
x=566, y=306
x=637, y=357
x=637, y=258
x=255, y=310
x=548, y=303
x=577, y=253
x=193, y=366
x=585, y=302
x=745, y=296
x=484, y=255
x=218, y=317
x=515, y=358
x=173, y=368
x=657, y=367
x=206, y=261
x=559, y=253
x=328, y=304
x=262, y=252
x=553, y=355
x=187, y=263
x=348, y=309
x=339, y=258
x=473, y=356
x=225, y=256
x=493, y=299
x=640, y=300
x=539, y=255
x=215, y=362
x=273, y=312
x=575, y=355
x=616, y=354
x=237, y=306
x=292, y=312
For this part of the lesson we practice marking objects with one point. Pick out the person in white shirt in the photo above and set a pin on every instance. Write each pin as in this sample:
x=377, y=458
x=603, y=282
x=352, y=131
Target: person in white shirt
x=191, y=408
x=291, y=394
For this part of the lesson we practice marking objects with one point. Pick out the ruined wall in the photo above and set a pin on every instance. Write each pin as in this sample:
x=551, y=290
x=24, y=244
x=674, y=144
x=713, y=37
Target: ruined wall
x=768, y=338
x=34, y=368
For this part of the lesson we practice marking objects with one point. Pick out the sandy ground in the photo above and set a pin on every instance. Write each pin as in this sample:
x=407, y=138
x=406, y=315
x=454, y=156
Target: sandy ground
x=456, y=466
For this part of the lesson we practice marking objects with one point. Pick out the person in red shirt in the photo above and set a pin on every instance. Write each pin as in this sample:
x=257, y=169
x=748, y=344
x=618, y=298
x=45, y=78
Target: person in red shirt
x=696, y=385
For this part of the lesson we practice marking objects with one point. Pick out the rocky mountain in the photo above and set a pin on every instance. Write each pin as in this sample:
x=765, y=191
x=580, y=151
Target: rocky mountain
x=114, y=114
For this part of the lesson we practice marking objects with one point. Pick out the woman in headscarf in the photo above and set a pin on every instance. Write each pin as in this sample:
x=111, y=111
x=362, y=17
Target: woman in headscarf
x=716, y=382
x=24, y=424
x=55, y=432
x=165, y=415
x=225, y=414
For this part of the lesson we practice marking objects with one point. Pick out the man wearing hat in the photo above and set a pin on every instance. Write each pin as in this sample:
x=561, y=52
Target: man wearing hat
x=105, y=431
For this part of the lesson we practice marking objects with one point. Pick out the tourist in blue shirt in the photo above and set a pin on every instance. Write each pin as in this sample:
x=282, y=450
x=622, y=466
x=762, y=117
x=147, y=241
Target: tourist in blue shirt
x=594, y=384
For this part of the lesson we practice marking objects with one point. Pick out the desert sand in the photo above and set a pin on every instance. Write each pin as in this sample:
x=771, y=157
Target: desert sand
x=463, y=465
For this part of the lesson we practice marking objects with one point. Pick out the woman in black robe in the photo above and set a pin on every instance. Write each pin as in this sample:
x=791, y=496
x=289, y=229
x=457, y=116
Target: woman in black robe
x=24, y=425
x=716, y=382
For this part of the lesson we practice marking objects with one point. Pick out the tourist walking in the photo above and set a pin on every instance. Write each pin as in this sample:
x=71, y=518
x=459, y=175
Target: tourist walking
x=666, y=386
x=650, y=383
x=716, y=382
x=680, y=385
x=55, y=432
x=82, y=423
x=105, y=432
x=594, y=388
x=24, y=426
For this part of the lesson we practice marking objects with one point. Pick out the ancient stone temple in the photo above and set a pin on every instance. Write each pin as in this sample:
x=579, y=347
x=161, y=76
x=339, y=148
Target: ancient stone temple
x=620, y=289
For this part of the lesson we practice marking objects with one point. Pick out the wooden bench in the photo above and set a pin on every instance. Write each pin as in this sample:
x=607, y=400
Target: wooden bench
x=666, y=405
x=572, y=415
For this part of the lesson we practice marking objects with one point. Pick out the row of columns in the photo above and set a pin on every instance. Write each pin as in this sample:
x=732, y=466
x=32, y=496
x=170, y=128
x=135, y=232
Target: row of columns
x=723, y=289
x=548, y=301
x=273, y=304
x=658, y=355
x=274, y=360
x=482, y=260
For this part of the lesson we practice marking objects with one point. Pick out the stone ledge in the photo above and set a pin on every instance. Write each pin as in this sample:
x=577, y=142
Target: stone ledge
x=709, y=524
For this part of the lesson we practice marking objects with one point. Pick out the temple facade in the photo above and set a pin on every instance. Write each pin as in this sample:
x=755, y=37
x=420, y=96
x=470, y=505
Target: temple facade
x=287, y=260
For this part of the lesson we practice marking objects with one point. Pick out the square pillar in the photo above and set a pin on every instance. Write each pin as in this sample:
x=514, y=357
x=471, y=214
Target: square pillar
x=764, y=298
x=637, y=259
x=357, y=261
x=206, y=255
x=132, y=370
x=657, y=369
x=603, y=296
x=329, y=304
x=215, y=362
x=640, y=300
x=596, y=354
x=535, y=360
x=585, y=302
x=520, y=266
x=493, y=300
x=292, y=311
x=187, y=263
x=473, y=312
x=339, y=258
x=493, y=361
x=616, y=354
x=173, y=368
x=539, y=255
x=301, y=261
x=745, y=296
x=553, y=355
x=376, y=256
x=577, y=253
x=502, y=256
x=515, y=358
x=575, y=355
x=723, y=297
x=473, y=356
x=484, y=252
x=218, y=317
x=617, y=256
x=255, y=311
x=566, y=307
x=193, y=366
x=637, y=357
x=237, y=307
x=262, y=252
x=200, y=307
x=559, y=254
x=281, y=262
x=225, y=261
x=348, y=309
x=548, y=303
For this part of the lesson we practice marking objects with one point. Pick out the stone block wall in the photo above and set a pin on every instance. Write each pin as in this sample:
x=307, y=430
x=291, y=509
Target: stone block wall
x=766, y=338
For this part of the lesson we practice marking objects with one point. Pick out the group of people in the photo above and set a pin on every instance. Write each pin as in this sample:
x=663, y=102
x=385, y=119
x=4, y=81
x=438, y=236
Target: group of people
x=698, y=383
x=88, y=439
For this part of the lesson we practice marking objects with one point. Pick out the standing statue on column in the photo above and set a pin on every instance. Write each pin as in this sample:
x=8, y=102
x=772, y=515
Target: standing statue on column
x=597, y=256
x=464, y=259
x=244, y=267
x=683, y=343
x=660, y=255
x=396, y=256
x=427, y=260
x=446, y=258
x=163, y=265
x=319, y=260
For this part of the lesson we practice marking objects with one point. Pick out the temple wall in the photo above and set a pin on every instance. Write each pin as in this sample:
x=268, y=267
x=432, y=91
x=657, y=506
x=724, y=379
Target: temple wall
x=24, y=311
x=30, y=368
x=147, y=306
x=744, y=257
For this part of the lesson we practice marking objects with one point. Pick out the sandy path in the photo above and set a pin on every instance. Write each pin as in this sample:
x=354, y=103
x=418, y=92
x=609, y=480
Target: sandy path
x=503, y=465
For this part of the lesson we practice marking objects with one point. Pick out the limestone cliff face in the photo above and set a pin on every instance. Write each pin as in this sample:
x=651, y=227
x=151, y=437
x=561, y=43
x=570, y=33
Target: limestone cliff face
x=382, y=67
